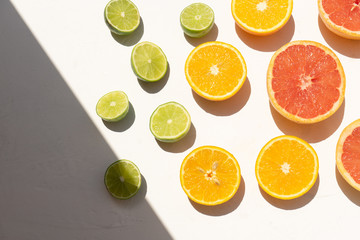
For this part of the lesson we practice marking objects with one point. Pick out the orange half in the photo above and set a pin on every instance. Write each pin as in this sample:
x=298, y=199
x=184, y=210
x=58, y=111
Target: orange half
x=348, y=154
x=261, y=17
x=210, y=175
x=287, y=167
x=215, y=70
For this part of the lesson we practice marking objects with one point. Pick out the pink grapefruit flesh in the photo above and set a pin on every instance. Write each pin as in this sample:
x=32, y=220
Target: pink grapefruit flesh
x=306, y=82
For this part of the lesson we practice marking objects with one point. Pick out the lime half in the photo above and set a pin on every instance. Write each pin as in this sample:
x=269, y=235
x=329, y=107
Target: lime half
x=148, y=62
x=122, y=179
x=113, y=106
x=197, y=20
x=170, y=122
x=122, y=16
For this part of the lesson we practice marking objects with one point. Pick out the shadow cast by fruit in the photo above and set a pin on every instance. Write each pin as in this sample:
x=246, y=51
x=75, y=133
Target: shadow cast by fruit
x=311, y=133
x=351, y=193
x=124, y=123
x=224, y=208
x=155, y=87
x=211, y=36
x=182, y=145
x=229, y=106
x=131, y=39
x=293, y=203
x=268, y=43
x=347, y=47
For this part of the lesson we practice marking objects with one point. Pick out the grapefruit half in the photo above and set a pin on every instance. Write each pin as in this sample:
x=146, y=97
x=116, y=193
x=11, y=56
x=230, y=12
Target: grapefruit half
x=341, y=17
x=348, y=154
x=305, y=82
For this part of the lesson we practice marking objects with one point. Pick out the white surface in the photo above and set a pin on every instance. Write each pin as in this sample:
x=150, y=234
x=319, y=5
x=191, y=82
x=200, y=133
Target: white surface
x=93, y=62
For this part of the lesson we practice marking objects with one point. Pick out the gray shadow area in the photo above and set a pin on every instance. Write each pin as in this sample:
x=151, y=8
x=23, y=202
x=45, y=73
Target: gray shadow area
x=224, y=208
x=229, y=106
x=131, y=39
x=52, y=157
x=347, y=47
x=311, y=133
x=293, y=203
x=271, y=42
x=210, y=36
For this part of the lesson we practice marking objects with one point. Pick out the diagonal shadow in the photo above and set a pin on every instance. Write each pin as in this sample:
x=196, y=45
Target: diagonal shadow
x=52, y=158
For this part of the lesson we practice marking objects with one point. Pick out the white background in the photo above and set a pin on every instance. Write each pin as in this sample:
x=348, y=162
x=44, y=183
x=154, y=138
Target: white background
x=93, y=62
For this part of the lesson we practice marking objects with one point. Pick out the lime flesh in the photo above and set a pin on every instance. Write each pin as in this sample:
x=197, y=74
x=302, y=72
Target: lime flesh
x=122, y=179
x=197, y=20
x=148, y=62
x=122, y=16
x=113, y=106
x=170, y=122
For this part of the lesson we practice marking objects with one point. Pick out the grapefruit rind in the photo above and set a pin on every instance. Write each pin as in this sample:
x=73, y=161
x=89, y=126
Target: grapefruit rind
x=204, y=94
x=307, y=187
x=296, y=118
x=338, y=30
x=261, y=32
x=339, y=151
x=219, y=201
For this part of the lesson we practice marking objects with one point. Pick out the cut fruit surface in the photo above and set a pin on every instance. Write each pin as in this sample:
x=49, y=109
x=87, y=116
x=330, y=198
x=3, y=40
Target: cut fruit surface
x=170, y=122
x=122, y=179
x=215, y=70
x=261, y=17
x=210, y=175
x=197, y=19
x=113, y=106
x=348, y=154
x=341, y=17
x=287, y=167
x=305, y=82
x=122, y=16
x=148, y=62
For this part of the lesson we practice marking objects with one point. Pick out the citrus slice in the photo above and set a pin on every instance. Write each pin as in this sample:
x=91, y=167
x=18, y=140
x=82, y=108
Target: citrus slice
x=341, y=17
x=210, y=175
x=122, y=16
x=113, y=106
x=348, y=154
x=287, y=167
x=261, y=17
x=148, y=62
x=122, y=179
x=170, y=122
x=305, y=82
x=197, y=20
x=215, y=70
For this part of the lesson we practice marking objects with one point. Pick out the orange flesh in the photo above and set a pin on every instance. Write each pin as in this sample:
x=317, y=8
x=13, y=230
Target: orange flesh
x=215, y=70
x=306, y=81
x=210, y=176
x=345, y=13
x=301, y=167
x=351, y=154
x=272, y=15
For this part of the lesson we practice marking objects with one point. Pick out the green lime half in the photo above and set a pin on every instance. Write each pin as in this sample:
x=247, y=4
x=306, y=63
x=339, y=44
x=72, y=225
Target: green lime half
x=148, y=62
x=122, y=16
x=170, y=122
x=122, y=179
x=113, y=106
x=197, y=20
